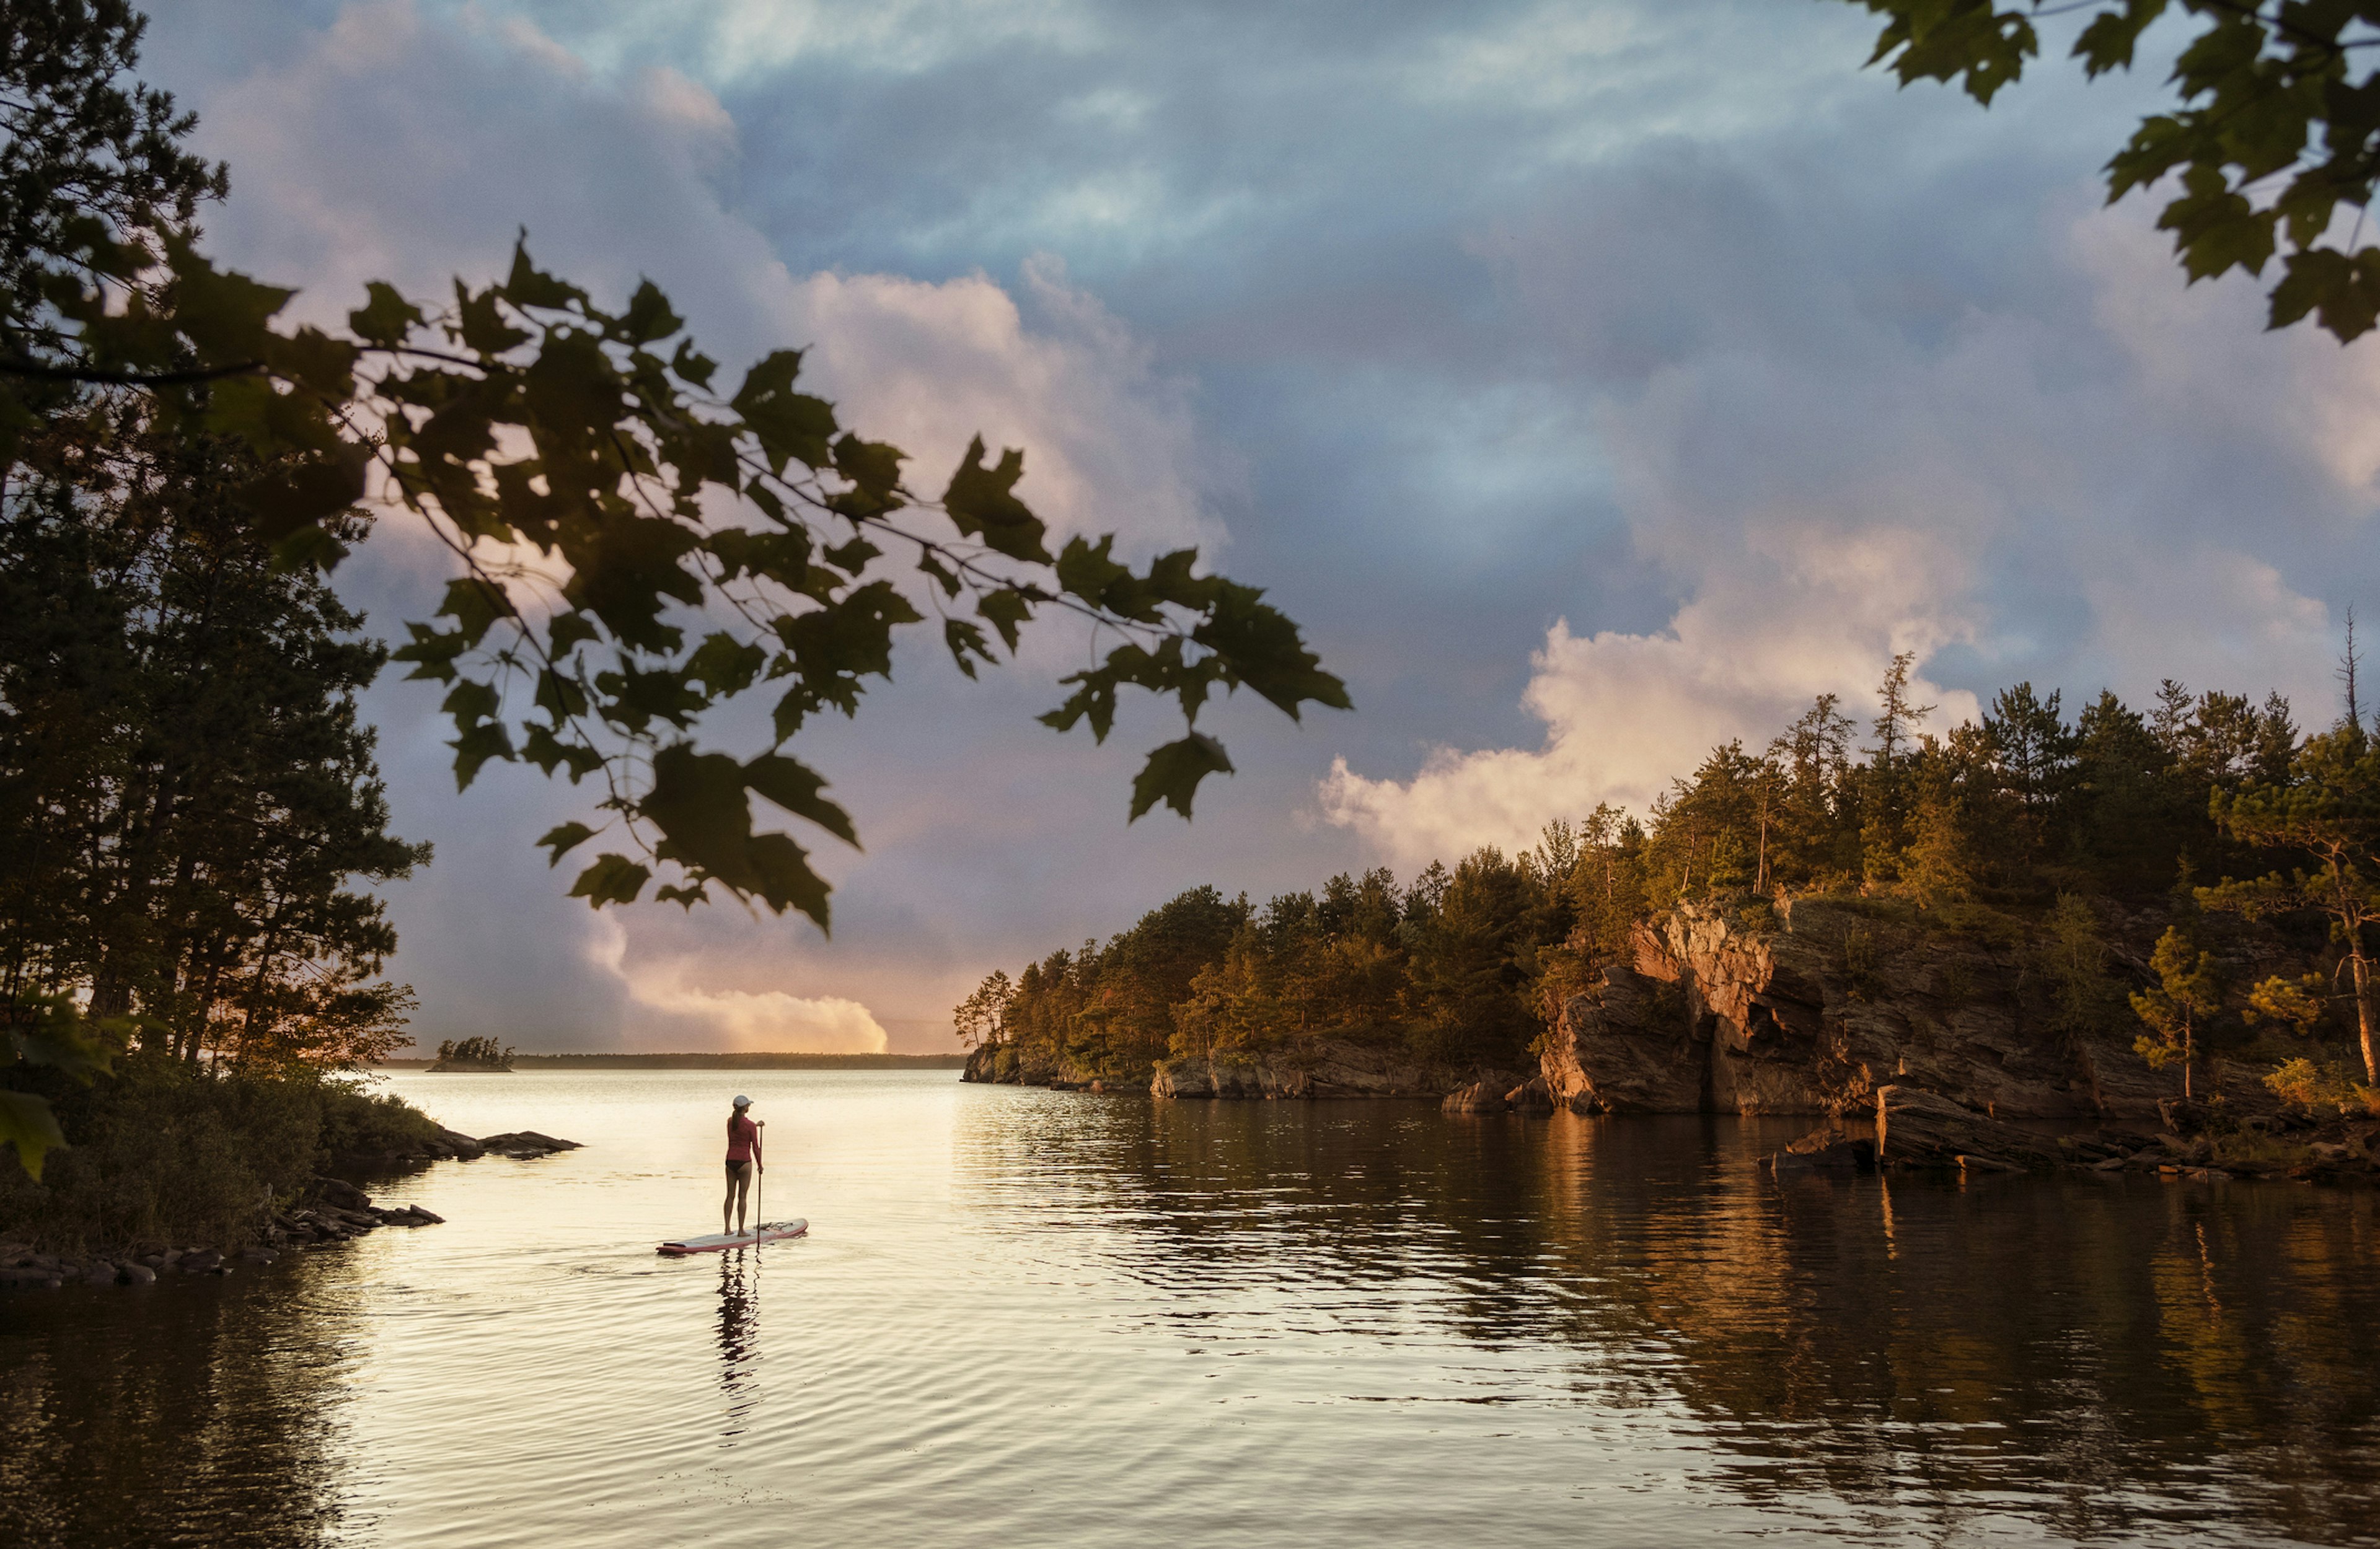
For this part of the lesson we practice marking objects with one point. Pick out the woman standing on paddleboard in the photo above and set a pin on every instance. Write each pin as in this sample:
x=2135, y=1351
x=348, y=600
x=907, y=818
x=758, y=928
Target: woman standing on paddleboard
x=743, y=1153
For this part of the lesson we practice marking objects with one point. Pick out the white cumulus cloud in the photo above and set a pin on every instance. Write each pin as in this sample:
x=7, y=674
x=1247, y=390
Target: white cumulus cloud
x=1805, y=612
x=697, y=1019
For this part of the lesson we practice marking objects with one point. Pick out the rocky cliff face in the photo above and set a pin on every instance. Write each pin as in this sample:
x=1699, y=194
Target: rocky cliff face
x=1814, y=1012
x=1006, y=1064
x=1322, y=1069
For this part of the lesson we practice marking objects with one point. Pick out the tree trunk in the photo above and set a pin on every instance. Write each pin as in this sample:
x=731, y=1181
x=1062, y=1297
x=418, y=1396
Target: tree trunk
x=2362, y=971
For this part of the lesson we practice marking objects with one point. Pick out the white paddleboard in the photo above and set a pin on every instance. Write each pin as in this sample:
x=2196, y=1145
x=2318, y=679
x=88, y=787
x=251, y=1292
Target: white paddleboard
x=767, y=1231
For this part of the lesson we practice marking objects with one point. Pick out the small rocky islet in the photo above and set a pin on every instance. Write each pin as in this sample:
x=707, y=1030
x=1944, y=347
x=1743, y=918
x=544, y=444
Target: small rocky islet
x=1915, y=1049
x=330, y=1210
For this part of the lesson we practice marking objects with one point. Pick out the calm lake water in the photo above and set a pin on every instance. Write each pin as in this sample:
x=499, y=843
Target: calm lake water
x=1034, y=1318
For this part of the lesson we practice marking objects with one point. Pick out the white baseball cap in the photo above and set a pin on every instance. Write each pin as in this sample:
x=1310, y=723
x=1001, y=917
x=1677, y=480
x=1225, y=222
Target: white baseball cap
x=742, y=1101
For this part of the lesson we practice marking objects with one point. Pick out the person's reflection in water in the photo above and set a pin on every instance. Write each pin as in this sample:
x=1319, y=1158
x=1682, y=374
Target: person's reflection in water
x=739, y=1337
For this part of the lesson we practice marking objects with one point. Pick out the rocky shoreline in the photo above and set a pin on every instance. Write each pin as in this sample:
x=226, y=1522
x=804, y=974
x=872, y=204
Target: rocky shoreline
x=1918, y=1046
x=332, y=1211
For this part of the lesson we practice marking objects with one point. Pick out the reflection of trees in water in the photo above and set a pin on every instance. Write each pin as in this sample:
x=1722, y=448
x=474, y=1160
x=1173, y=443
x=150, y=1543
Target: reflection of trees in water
x=2060, y=1339
x=193, y=1414
x=739, y=1337
x=2092, y=1354
x=1239, y=1192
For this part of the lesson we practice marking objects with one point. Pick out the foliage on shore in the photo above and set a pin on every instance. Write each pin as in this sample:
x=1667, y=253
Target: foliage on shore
x=2030, y=825
x=163, y=1153
x=190, y=812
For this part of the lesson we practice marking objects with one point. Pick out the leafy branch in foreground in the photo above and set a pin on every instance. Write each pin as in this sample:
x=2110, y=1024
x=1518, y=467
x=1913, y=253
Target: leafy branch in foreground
x=598, y=489
x=44, y=1029
x=2276, y=126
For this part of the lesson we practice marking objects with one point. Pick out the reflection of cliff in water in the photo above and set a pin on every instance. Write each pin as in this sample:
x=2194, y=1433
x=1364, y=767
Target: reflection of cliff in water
x=1889, y=1339
x=2091, y=1357
x=192, y=1413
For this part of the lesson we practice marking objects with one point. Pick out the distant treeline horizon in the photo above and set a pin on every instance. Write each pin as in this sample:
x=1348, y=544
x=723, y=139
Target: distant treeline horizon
x=784, y=1060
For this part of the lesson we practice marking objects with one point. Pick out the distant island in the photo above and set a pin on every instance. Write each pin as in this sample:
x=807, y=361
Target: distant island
x=692, y=1061
x=476, y=1056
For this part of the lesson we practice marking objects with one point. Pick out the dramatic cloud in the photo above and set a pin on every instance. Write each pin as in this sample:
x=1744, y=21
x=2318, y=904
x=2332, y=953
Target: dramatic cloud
x=733, y=1020
x=1596, y=384
x=1111, y=446
x=2003, y=496
x=397, y=145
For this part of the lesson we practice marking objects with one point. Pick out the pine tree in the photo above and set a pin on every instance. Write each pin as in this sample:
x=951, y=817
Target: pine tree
x=182, y=770
x=2186, y=993
x=2328, y=809
x=1936, y=868
x=1885, y=785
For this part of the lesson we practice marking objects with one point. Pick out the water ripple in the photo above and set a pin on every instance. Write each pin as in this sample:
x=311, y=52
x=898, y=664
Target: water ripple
x=1029, y=1317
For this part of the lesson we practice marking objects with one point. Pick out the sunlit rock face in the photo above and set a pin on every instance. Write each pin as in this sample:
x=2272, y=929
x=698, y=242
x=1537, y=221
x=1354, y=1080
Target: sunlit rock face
x=1325, y=1069
x=1008, y=1064
x=1810, y=1007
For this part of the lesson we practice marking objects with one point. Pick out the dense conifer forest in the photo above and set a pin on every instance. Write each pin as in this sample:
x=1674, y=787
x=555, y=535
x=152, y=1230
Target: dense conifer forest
x=191, y=816
x=2210, y=813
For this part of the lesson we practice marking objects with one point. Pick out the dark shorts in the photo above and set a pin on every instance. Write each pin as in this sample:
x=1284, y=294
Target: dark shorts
x=738, y=1170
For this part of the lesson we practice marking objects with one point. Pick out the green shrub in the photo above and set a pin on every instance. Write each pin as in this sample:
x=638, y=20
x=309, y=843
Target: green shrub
x=1978, y=922
x=163, y=1153
x=2319, y=1086
x=355, y=1121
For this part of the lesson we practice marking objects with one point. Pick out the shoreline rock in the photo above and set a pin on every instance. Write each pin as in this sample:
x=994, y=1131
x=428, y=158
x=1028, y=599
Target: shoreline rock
x=1915, y=1128
x=454, y=1145
x=1917, y=1131
x=523, y=1145
x=332, y=1210
x=1329, y=1069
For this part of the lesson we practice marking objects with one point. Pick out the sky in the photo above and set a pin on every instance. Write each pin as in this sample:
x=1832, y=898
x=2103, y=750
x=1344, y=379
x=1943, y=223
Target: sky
x=1595, y=383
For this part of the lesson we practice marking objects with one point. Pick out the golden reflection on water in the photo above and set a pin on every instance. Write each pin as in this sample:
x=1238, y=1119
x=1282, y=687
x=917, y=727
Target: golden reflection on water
x=2125, y=1353
x=1056, y=1318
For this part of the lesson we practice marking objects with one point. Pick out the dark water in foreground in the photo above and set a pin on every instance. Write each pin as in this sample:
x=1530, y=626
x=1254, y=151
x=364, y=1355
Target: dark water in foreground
x=1028, y=1318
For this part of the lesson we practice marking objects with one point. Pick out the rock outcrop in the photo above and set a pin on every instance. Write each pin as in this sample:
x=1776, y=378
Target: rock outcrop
x=524, y=1145
x=451, y=1145
x=1321, y=1069
x=336, y=1211
x=1816, y=1010
x=1915, y=1128
x=1531, y=1096
x=1826, y=1149
x=1499, y=1093
x=1629, y=1046
x=1007, y=1065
